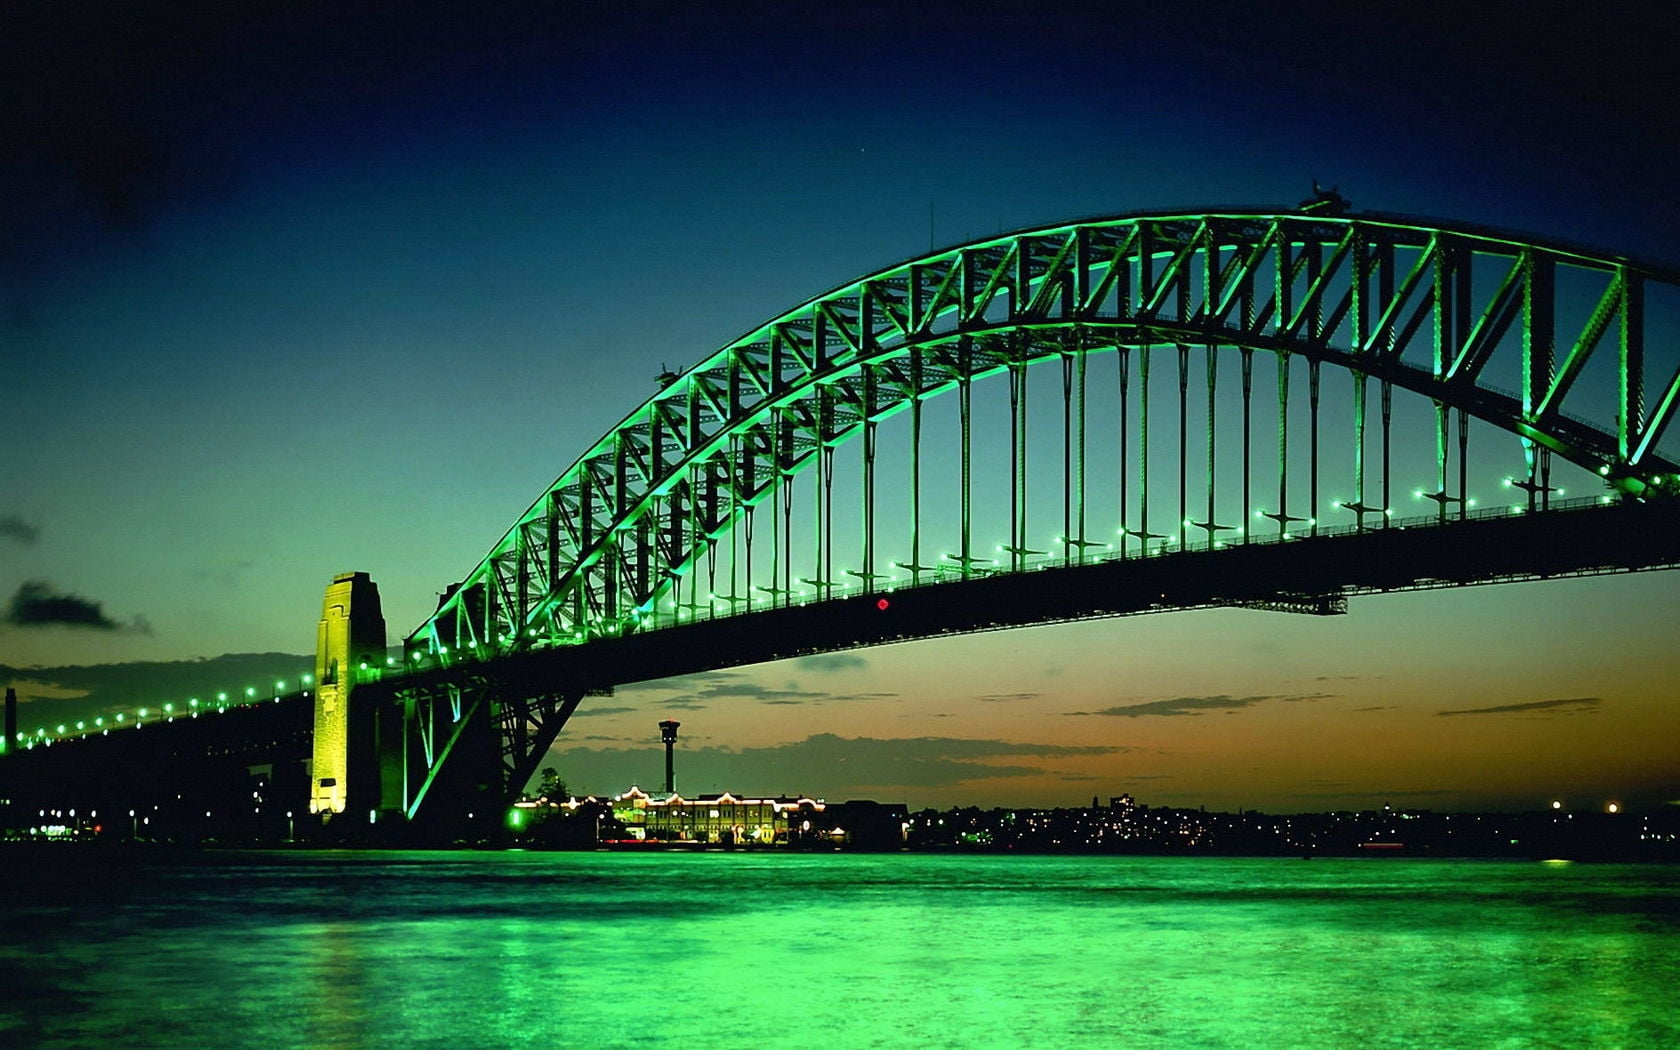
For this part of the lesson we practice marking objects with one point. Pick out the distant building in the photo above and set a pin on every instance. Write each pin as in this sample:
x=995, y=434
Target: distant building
x=738, y=820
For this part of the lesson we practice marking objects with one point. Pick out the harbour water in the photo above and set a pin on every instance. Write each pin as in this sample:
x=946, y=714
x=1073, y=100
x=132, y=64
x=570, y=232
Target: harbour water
x=115, y=948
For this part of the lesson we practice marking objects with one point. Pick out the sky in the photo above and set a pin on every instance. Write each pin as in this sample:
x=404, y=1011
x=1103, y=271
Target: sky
x=295, y=289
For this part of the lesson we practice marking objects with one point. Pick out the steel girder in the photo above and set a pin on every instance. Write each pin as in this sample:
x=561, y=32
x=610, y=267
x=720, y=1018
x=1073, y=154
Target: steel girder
x=592, y=555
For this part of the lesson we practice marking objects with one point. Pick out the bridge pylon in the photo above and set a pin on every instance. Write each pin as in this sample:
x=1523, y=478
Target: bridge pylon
x=349, y=649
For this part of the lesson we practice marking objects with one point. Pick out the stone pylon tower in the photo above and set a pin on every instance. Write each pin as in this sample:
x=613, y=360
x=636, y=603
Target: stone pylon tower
x=349, y=646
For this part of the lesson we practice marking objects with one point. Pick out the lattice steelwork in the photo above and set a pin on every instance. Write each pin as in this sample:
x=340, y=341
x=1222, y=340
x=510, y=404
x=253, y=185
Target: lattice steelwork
x=1425, y=308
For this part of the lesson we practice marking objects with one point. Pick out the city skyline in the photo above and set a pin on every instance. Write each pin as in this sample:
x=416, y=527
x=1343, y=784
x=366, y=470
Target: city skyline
x=320, y=294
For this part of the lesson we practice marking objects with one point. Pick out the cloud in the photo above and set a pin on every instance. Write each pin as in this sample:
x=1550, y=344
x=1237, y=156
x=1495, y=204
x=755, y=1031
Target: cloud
x=1379, y=707
x=681, y=683
x=1003, y=698
x=585, y=711
x=29, y=689
x=1570, y=706
x=15, y=528
x=1185, y=706
x=831, y=765
x=36, y=605
x=826, y=663
x=73, y=692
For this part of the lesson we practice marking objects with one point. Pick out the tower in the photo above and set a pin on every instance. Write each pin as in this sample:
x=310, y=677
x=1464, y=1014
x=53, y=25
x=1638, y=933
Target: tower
x=668, y=733
x=11, y=721
x=349, y=642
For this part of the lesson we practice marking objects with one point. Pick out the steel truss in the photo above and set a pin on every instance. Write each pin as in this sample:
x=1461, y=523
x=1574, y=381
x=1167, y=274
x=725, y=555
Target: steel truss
x=1362, y=294
x=505, y=723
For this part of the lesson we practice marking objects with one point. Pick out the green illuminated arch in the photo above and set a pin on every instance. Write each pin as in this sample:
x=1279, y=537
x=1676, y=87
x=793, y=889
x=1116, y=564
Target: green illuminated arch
x=1357, y=292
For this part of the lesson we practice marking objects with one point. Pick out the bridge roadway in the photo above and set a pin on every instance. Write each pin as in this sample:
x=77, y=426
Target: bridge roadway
x=237, y=774
x=1306, y=574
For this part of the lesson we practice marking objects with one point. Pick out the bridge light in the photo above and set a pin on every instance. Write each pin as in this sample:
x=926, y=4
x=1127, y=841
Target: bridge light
x=1417, y=493
x=193, y=702
x=221, y=697
x=308, y=679
x=1470, y=503
x=143, y=712
x=1604, y=471
x=883, y=605
x=279, y=687
x=391, y=661
x=99, y=721
x=1611, y=807
x=168, y=708
x=250, y=690
x=1506, y=482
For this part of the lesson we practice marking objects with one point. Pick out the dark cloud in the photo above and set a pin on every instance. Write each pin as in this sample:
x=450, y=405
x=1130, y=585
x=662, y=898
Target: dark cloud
x=829, y=698
x=681, y=683
x=696, y=691
x=79, y=691
x=825, y=663
x=827, y=764
x=35, y=604
x=1570, y=706
x=1003, y=698
x=16, y=529
x=1380, y=707
x=585, y=711
x=1196, y=705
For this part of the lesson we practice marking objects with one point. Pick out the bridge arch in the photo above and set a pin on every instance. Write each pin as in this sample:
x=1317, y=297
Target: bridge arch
x=1423, y=307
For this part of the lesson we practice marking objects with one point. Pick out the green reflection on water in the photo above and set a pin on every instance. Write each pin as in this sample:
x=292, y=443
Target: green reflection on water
x=753, y=950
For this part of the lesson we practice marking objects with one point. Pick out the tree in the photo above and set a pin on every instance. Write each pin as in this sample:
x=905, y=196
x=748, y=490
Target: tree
x=552, y=786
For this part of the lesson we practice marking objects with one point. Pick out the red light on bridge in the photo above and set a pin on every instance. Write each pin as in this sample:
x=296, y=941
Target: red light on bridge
x=882, y=604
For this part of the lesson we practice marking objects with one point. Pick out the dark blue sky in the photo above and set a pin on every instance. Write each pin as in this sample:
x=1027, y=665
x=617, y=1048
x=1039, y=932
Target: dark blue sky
x=288, y=289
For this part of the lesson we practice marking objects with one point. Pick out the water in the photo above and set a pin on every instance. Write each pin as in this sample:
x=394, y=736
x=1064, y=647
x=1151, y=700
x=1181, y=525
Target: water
x=137, y=949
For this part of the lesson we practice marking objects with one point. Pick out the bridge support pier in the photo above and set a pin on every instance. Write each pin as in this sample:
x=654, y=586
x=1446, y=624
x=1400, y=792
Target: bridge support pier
x=349, y=648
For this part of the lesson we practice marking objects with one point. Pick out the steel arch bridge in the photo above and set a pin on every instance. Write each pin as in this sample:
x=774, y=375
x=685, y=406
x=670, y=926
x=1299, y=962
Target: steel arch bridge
x=898, y=408
x=1423, y=308
x=1546, y=346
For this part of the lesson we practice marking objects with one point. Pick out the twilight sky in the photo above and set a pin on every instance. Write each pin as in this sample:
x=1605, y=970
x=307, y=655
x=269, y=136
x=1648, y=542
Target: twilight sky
x=292, y=289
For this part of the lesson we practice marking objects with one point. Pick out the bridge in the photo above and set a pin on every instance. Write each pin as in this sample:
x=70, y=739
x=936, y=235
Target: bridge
x=1261, y=409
